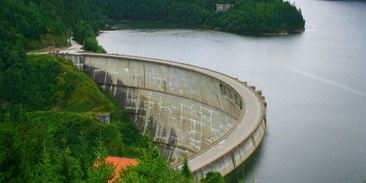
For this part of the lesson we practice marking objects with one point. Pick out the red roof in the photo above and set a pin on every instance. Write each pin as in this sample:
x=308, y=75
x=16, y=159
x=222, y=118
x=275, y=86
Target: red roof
x=118, y=164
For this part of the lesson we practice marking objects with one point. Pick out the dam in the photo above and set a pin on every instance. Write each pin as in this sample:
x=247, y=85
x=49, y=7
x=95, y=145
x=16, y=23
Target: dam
x=213, y=120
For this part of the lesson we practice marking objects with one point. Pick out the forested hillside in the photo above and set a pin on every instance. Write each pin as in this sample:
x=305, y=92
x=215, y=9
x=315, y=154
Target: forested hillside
x=246, y=16
x=49, y=133
x=41, y=23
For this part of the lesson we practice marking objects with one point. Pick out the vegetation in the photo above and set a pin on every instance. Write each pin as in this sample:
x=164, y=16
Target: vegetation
x=261, y=17
x=246, y=16
x=152, y=168
x=50, y=23
x=85, y=34
x=186, y=172
x=213, y=177
x=91, y=44
x=49, y=123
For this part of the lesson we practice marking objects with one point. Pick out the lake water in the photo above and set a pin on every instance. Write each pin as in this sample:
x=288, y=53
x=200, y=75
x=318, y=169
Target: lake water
x=314, y=83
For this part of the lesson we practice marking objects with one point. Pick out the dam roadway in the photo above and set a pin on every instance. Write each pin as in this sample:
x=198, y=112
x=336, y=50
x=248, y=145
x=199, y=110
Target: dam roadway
x=235, y=145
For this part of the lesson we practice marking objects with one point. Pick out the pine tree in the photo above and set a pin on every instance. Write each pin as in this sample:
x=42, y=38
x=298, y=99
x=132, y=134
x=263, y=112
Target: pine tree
x=68, y=167
x=101, y=171
x=45, y=171
x=186, y=172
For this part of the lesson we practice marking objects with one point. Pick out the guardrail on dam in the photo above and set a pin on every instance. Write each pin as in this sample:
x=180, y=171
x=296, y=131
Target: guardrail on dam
x=214, y=120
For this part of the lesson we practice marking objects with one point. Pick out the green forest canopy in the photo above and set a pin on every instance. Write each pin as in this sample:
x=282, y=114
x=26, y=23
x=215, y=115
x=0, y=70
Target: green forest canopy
x=246, y=16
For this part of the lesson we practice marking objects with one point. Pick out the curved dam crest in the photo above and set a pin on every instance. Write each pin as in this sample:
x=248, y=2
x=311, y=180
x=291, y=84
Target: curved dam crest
x=214, y=120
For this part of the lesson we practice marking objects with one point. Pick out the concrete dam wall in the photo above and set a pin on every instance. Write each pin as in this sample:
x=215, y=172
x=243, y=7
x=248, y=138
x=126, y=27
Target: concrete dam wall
x=190, y=111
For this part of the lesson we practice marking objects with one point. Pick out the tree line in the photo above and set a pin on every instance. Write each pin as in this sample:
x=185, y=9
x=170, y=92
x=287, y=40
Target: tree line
x=246, y=16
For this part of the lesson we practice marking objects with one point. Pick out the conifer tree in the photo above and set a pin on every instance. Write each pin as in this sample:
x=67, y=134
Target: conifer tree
x=100, y=171
x=45, y=171
x=186, y=172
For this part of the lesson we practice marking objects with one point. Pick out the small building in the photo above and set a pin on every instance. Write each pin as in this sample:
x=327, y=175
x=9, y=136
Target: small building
x=104, y=117
x=223, y=7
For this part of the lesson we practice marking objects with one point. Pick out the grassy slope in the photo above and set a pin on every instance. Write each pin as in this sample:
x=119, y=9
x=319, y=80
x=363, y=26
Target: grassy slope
x=73, y=90
x=75, y=100
x=69, y=123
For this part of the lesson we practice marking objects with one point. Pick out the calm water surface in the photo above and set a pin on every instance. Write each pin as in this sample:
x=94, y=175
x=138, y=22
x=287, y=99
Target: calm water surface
x=314, y=82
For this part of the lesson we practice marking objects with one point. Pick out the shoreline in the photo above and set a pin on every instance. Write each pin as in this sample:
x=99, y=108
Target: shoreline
x=77, y=48
x=136, y=25
x=73, y=48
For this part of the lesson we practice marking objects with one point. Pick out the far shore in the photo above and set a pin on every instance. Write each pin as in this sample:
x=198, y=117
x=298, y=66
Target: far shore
x=123, y=25
x=75, y=47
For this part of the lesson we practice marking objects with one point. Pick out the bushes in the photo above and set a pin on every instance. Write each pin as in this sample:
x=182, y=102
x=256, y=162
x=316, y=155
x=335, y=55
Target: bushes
x=82, y=31
x=91, y=44
x=213, y=177
x=84, y=34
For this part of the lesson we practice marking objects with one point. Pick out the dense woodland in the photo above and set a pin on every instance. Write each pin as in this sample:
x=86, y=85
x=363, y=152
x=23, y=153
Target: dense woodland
x=48, y=130
x=246, y=17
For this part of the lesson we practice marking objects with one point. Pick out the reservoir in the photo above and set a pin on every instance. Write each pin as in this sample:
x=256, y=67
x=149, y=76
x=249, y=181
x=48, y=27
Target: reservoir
x=314, y=83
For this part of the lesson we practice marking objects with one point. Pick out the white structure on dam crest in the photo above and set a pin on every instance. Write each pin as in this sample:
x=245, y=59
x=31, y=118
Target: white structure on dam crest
x=213, y=119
